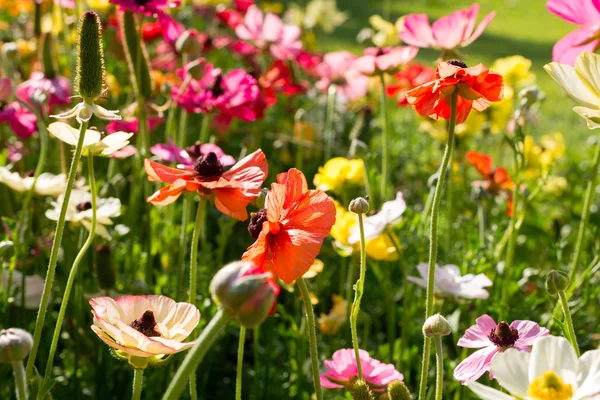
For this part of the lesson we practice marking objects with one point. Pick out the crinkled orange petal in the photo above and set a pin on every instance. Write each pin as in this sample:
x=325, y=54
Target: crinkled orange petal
x=502, y=179
x=294, y=251
x=232, y=202
x=251, y=171
x=295, y=186
x=161, y=173
x=258, y=252
x=482, y=162
x=169, y=193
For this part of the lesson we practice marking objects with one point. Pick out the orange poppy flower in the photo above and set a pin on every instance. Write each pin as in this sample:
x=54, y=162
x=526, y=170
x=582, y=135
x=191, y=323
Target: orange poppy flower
x=477, y=87
x=495, y=180
x=231, y=190
x=289, y=232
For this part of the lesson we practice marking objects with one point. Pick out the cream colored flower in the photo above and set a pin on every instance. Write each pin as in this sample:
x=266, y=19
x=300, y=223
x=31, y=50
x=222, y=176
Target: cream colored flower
x=83, y=113
x=47, y=184
x=93, y=142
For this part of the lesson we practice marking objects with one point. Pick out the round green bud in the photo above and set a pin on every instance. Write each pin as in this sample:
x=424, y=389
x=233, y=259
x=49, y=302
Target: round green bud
x=89, y=71
x=15, y=344
x=361, y=390
x=557, y=281
x=436, y=326
x=360, y=205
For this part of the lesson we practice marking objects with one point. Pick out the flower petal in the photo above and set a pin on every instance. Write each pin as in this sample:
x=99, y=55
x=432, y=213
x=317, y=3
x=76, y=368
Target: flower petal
x=589, y=374
x=529, y=331
x=416, y=31
x=477, y=335
x=510, y=369
x=474, y=366
x=487, y=393
x=553, y=353
x=566, y=77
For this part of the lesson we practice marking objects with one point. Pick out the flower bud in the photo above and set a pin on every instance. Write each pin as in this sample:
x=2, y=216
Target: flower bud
x=188, y=42
x=196, y=68
x=557, y=281
x=104, y=268
x=137, y=56
x=89, y=71
x=245, y=292
x=10, y=51
x=529, y=96
x=360, y=205
x=15, y=344
x=361, y=390
x=397, y=390
x=436, y=326
x=47, y=56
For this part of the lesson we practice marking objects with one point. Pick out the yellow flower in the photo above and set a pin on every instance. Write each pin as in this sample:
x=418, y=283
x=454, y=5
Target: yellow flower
x=339, y=171
x=538, y=159
x=26, y=48
x=315, y=269
x=16, y=7
x=344, y=222
x=331, y=323
x=387, y=33
x=101, y=6
x=382, y=249
x=496, y=116
x=515, y=70
x=555, y=185
x=113, y=86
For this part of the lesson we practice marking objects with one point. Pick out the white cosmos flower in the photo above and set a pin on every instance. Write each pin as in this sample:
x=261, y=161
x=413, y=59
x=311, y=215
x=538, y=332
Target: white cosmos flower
x=80, y=211
x=582, y=84
x=47, y=184
x=550, y=372
x=92, y=142
x=449, y=282
x=375, y=225
x=83, y=112
x=34, y=287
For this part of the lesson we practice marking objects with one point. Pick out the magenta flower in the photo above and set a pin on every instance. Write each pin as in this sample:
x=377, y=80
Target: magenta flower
x=202, y=78
x=57, y=89
x=342, y=369
x=338, y=68
x=131, y=125
x=21, y=120
x=447, y=33
x=268, y=31
x=189, y=156
x=492, y=339
x=171, y=29
x=388, y=60
x=586, y=14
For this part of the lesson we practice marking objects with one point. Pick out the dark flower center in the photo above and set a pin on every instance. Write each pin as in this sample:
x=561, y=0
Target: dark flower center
x=194, y=151
x=503, y=335
x=217, y=88
x=457, y=63
x=146, y=324
x=29, y=174
x=209, y=166
x=142, y=2
x=86, y=205
x=256, y=223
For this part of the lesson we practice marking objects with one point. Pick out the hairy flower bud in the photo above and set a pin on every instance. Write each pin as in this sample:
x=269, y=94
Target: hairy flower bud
x=436, y=325
x=557, y=281
x=397, y=390
x=245, y=292
x=137, y=55
x=89, y=72
x=15, y=344
x=361, y=390
x=360, y=205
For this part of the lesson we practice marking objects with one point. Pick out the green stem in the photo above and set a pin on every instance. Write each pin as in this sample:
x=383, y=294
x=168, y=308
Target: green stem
x=205, y=128
x=194, y=273
x=329, y=130
x=185, y=216
x=360, y=286
x=196, y=354
x=433, y=239
x=73, y=272
x=439, y=359
x=60, y=225
x=481, y=218
x=240, y=364
x=385, y=140
x=20, y=382
x=569, y=321
x=138, y=377
x=312, y=337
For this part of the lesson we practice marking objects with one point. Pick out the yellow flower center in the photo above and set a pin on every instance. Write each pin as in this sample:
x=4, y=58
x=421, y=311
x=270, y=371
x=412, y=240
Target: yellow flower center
x=550, y=386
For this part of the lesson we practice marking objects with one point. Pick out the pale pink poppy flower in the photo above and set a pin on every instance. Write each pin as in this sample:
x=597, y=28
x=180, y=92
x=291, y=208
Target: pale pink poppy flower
x=586, y=14
x=21, y=120
x=447, y=33
x=342, y=369
x=144, y=326
x=449, y=282
x=388, y=59
x=188, y=156
x=268, y=31
x=491, y=339
x=337, y=68
x=57, y=89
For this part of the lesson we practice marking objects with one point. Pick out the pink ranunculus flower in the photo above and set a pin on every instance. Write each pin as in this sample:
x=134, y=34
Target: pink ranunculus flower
x=586, y=14
x=131, y=125
x=21, y=120
x=190, y=155
x=337, y=68
x=492, y=338
x=269, y=31
x=57, y=89
x=388, y=60
x=199, y=78
x=342, y=369
x=171, y=29
x=447, y=33
x=144, y=326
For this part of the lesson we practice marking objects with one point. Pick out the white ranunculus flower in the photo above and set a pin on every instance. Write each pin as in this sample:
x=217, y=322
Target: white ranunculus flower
x=449, y=282
x=93, y=141
x=84, y=111
x=550, y=372
x=47, y=184
x=34, y=287
x=80, y=211
x=375, y=225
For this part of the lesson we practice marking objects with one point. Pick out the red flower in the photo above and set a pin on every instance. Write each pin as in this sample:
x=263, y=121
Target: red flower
x=278, y=79
x=477, y=87
x=289, y=232
x=231, y=190
x=410, y=77
x=151, y=30
x=495, y=180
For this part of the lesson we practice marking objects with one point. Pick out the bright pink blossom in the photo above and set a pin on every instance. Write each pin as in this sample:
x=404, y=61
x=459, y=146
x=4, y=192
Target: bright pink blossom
x=57, y=89
x=492, y=338
x=171, y=29
x=586, y=14
x=131, y=125
x=342, y=369
x=337, y=68
x=447, y=33
x=268, y=31
x=389, y=59
x=189, y=156
x=21, y=120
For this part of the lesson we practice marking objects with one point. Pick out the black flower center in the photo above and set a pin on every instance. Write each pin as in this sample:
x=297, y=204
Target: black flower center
x=457, y=63
x=142, y=2
x=503, y=335
x=86, y=205
x=256, y=223
x=194, y=151
x=209, y=166
x=146, y=324
x=217, y=88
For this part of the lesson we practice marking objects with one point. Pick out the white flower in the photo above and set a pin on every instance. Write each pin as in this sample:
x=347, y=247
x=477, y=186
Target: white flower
x=34, y=287
x=83, y=112
x=93, y=142
x=449, y=282
x=375, y=225
x=550, y=372
x=80, y=211
x=47, y=184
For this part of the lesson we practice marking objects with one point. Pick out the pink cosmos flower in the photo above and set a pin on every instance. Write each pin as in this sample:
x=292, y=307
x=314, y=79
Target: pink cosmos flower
x=58, y=89
x=447, y=33
x=131, y=125
x=156, y=8
x=586, y=14
x=21, y=120
x=388, y=60
x=268, y=31
x=190, y=155
x=338, y=68
x=341, y=370
x=492, y=338
x=144, y=326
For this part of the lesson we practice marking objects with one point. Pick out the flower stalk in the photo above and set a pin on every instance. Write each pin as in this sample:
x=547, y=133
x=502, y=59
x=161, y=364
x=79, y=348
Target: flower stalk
x=384, y=141
x=439, y=360
x=240, y=364
x=312, y=337
x=360, y=285
x=329, y=129
x=138, y=377
x=570, y=331
x=20, y=382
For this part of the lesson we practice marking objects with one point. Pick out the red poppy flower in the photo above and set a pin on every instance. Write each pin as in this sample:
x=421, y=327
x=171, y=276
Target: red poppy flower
x=231, y=190
x=152, y=30
x=410, y=77
x=495, y=180
x=278, y=79
x=477, y=87
x=289, y=232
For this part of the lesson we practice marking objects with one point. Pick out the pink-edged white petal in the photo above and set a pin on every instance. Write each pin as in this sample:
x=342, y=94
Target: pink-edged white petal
x=109, y=341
